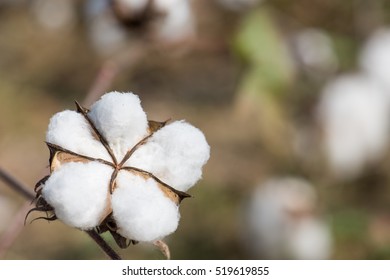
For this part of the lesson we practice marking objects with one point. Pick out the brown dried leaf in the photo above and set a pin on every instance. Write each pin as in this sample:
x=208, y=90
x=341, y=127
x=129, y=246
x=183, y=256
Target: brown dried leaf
x=154, y=125
x=163, y=247
x=60, y=158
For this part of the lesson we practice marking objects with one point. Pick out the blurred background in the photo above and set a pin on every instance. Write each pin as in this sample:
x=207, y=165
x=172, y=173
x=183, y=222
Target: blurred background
x=293, y=97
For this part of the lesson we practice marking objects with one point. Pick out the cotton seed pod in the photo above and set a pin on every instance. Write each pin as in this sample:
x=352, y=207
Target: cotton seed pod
x=113, y=170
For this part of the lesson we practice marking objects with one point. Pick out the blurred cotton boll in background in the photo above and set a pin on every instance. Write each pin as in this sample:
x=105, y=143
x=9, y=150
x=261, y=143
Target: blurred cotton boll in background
x=281, y=222
x=177, y=22
x=104, y=31
x=315, y=52
x=54, y=14
x=375, y=58
x=354, y=114
x=114, y=25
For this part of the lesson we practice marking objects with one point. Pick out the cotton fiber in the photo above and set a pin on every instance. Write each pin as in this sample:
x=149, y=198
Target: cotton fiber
x=141, y=209
x=121, y=120
x=175, y=154
x=71, y=131
x=79, y=193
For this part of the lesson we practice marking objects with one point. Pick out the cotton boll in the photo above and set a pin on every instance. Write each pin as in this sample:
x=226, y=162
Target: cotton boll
x=141, y=210
x=315, y=51
x=105, y=33
x=178, y=22
x=310, y=240
x=120, y=119
x=355, y=114
x=71, y=131
x=54, y=14
x=175, y=154
x=280, y=221
x=375, y=57
x=78, y=192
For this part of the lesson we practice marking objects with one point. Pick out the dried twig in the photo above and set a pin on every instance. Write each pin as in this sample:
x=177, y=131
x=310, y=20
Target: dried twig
x=16, y=184
x=103, y=245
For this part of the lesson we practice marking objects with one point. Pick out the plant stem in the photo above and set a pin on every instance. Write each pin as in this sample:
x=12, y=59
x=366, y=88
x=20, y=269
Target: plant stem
x=103, y=245
x=15, y=184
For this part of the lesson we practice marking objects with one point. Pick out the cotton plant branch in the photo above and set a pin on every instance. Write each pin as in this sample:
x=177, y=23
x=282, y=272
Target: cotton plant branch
x=16, y=185
x=13, y=231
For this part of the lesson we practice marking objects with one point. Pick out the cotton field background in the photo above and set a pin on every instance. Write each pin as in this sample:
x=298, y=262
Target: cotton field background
x=293, y=98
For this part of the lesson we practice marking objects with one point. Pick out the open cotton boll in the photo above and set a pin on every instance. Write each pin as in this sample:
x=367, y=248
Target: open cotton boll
x=175, y=154
x=375, y=57
x=355, y=116
x=120, y=119
x=71, y=131
x=311, y=239
x=141, y=210
x=178, y=22
x=78, y=192
x=281, y=221
x=315, y=51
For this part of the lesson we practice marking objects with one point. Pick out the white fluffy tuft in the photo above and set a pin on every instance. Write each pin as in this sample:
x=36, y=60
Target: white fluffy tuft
x=354, y=113
x=175, y=154
x=141, y=210
x=121, y=120
x=375, y=57
x=79, y=193
x=178, y=22
x=71, y=131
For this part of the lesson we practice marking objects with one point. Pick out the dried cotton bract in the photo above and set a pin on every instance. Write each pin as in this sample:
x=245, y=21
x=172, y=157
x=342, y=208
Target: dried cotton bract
x=113, y=170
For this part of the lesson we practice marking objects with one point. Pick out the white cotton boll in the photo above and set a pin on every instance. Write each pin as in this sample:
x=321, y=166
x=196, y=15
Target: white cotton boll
x=71, y=131
x=315, y=51
x=311, y=239
x=375, y=57
x=120, y=118
x=141, y=210
x=355, y=116
x=106, y=35
x=54, y=14
x=280, y=217
x=175, y=154
x=78, y=192
x=178, y=22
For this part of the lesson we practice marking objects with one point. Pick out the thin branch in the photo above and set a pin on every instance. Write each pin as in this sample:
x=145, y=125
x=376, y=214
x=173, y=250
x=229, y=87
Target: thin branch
x=16, y=185
x=103, y=245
